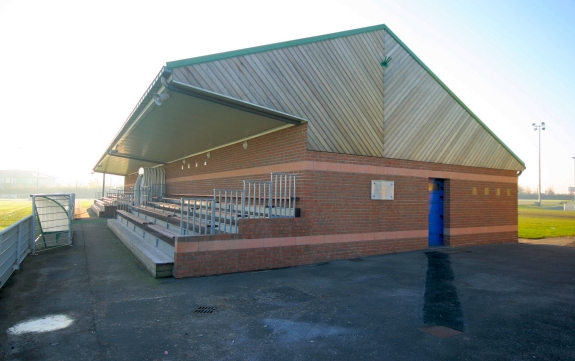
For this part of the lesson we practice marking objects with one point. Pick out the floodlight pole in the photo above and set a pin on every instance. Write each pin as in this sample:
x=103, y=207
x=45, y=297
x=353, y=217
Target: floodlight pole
x=573, y=177
x=539, y=127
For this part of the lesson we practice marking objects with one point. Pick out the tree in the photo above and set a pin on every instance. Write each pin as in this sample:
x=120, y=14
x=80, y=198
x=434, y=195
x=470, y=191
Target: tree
x=549, y=191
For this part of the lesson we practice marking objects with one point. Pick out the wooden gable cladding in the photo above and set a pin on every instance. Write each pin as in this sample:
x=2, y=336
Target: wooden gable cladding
x=336, y=84
x=424, y=122
x=352, y=103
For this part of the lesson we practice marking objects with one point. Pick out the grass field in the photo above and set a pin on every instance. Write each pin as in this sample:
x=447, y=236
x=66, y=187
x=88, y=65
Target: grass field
x=84, y=203
x=538, y=222
x=11, y=211
x=544, y=202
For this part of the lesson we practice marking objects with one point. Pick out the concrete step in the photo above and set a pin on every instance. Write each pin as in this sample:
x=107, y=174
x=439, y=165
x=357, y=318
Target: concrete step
x=154, y=260
x=102, y=210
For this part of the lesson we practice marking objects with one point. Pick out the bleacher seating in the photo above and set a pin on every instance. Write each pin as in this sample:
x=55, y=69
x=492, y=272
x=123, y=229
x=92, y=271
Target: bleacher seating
x=104, y=208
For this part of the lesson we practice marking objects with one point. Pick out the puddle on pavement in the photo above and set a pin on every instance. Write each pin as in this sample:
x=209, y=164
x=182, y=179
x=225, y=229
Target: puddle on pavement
x=290, y=331
x=441, y=304
x=39, y=325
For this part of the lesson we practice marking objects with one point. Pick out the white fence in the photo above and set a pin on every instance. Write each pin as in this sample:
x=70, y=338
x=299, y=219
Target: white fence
x=51, y=219
x=16, y=242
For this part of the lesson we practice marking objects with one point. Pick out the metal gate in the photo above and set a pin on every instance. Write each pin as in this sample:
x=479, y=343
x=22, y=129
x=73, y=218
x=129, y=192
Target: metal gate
x=53, y=214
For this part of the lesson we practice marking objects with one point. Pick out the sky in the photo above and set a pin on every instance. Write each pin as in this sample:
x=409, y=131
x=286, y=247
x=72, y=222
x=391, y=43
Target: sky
x=72, y=71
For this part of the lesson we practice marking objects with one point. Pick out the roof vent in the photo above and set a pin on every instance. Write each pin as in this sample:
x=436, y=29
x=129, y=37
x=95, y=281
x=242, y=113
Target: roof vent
x=386, y=61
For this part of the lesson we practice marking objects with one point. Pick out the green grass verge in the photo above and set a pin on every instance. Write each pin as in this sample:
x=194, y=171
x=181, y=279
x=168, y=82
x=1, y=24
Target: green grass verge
x=11, y=211
x=535, y=222
x=85, y=203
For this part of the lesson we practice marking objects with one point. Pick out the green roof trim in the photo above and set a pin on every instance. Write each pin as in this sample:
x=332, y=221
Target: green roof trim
x=286, y=44
x=276, y=46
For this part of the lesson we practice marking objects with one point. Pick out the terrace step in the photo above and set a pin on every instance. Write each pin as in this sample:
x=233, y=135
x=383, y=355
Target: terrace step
x=172, y=217
x=133, y=218
x=154, y=260
x=102, y=210
x=150, y=233
x=163, y=233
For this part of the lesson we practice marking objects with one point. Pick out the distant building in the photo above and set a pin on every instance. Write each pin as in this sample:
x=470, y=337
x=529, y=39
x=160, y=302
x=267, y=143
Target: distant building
x=10, y=179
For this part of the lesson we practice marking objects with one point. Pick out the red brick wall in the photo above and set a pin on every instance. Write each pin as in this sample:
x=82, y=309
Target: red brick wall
x=284, y=146
x=464, y=209
x=398, y=163
x=230, y=261
x=341, y=203
x=338, y=203
x=271, y=228
x=481, y=239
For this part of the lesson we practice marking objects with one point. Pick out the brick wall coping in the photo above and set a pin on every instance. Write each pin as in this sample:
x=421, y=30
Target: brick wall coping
x=231, y=242
x=346, y=168
x=478, y=230
x=221, y=245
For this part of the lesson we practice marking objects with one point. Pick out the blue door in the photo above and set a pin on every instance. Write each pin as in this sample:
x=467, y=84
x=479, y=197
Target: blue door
x=436, y=212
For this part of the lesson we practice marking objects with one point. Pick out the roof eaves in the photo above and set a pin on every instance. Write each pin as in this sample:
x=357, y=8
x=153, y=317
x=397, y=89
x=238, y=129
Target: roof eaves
x=263, y=48
x=452, y=94
x=140, y=106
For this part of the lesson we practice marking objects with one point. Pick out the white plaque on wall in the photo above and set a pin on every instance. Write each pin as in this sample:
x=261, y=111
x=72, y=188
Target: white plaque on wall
x=382, y=190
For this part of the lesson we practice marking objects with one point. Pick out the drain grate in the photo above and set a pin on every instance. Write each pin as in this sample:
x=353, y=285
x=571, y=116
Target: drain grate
x=205, y=309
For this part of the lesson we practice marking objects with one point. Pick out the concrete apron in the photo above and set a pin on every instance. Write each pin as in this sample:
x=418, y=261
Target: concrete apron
x=559, y=241
x=510, y=301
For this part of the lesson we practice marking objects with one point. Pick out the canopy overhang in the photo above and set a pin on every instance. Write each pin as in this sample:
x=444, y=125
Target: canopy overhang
x=185, y=121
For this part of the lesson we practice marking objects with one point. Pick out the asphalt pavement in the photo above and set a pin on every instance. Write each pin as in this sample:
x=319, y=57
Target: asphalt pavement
x=497, y=302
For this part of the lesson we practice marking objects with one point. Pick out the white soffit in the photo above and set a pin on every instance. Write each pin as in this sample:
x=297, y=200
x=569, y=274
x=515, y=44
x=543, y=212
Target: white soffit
x=187, y=124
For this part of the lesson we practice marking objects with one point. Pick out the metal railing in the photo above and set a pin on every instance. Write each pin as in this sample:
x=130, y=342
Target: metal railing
x=124, y=199
x=16, y=242
x=196, y=215
x=275, y=198
x=258, y=201
x=228, y=207
x=283, y=195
